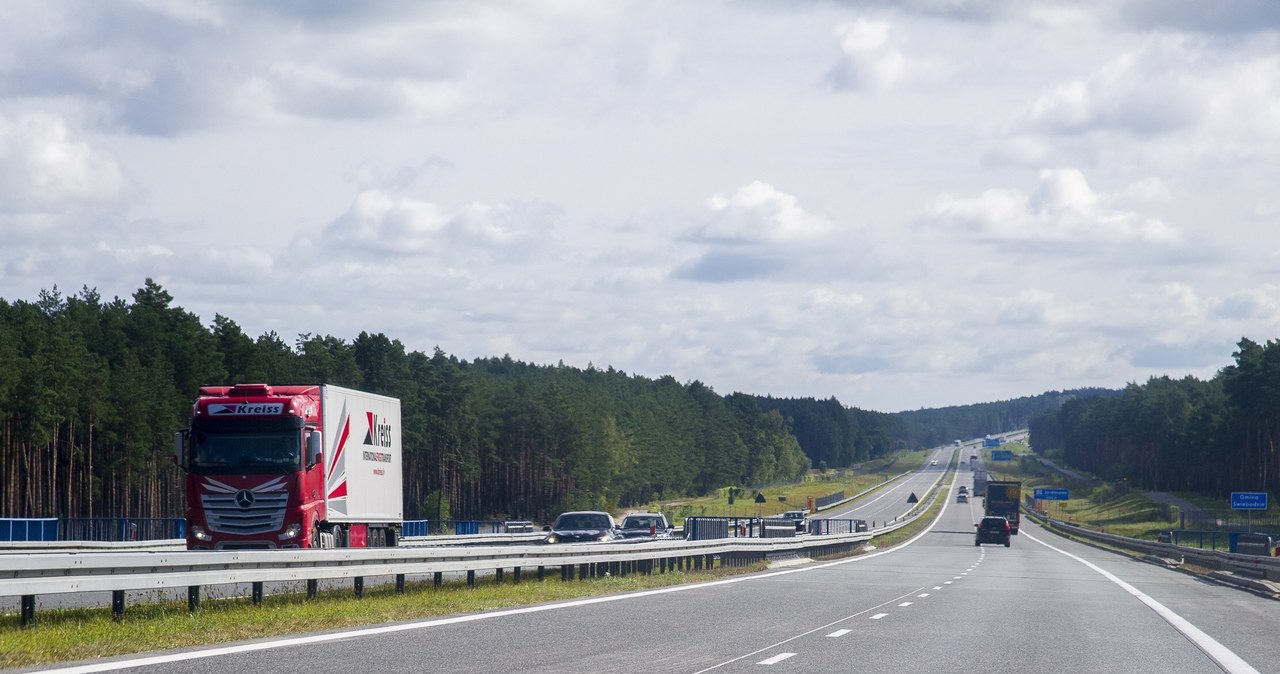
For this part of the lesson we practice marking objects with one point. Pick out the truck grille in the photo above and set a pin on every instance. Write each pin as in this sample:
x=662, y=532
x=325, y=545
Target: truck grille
x=226, y=516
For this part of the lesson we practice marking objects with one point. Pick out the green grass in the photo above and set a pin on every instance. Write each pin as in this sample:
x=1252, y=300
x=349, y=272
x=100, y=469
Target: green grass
x=796, y=495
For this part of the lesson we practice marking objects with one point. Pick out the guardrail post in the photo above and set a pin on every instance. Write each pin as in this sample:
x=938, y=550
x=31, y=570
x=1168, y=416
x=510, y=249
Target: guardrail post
x=542, y=573
x=313, y=588
x=497, y=575
x=359, y=583
x=438, y=579
x=257, y=593
x=515, y=575
x=117, y=605
x=584, y=572
x=399, y=583
x=193, y=598
x=471, y=578
x=28, y=610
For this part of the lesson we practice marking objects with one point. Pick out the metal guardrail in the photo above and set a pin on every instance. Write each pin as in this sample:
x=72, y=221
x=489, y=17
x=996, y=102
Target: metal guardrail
x=1252, y=566
x=28, y=576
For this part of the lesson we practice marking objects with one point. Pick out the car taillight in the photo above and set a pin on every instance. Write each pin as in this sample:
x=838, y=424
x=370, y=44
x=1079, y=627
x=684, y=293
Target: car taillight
x=1006, y=526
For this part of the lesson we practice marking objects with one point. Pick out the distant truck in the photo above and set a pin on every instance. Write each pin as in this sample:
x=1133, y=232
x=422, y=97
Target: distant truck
x=272, y=467
x=1002, y=500
x=979, y=482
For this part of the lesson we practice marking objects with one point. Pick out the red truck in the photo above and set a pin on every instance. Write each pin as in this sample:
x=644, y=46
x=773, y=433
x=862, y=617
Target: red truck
x=272, y=467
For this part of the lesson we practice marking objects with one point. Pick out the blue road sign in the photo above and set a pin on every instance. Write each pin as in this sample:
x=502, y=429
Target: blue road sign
x=1051, y=494
x=1248, y=500
x=1001, y=455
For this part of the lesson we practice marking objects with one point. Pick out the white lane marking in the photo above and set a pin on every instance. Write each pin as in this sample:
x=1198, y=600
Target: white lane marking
x=1223, y=656
x=819, y=628
x=904, y=604
x=937, y=587
x=956, y=578
x=776, y=659
x=839, y=633
x=877, y=616
x=926, y=594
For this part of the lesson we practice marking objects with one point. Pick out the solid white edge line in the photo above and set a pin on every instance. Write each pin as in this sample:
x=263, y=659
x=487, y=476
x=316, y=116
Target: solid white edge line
x=1223, y=656
x=437, y=622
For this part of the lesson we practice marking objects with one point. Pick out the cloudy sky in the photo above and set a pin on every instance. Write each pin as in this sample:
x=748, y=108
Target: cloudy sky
x=899, y=204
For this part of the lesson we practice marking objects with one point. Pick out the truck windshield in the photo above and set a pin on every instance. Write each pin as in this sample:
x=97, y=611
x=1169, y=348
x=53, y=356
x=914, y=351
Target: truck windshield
x=246, y=452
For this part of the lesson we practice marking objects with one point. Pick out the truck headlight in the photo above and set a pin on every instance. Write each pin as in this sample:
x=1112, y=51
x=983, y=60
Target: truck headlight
x=198, y=533
x=291, y=531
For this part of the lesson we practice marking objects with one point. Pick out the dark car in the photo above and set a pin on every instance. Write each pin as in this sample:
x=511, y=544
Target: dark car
x=646, y=525
x=993, y=530
x=582, y=526
x=800, y=518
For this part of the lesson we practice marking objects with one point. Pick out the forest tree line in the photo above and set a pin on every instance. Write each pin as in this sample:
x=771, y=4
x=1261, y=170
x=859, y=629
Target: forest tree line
x=92, y=391
x=1211, y=437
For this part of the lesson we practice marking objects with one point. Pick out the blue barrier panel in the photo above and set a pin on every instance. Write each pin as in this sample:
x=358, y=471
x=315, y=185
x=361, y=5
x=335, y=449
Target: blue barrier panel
x=415, y=528
x=29, y=529
x=465, y=527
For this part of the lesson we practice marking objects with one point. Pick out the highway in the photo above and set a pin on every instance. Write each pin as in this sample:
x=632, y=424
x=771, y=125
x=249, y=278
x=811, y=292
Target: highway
x=937, y=603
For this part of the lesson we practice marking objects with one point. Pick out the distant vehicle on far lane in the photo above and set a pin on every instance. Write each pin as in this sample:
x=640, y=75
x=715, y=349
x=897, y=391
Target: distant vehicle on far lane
x=799, y=517
x=646, y=525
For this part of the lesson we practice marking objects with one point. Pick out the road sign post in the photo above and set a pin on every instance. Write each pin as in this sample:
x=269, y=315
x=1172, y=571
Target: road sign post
x=1249, y=501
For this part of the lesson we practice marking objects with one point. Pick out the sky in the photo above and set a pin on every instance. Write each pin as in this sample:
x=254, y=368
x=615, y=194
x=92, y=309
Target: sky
x=901, y=205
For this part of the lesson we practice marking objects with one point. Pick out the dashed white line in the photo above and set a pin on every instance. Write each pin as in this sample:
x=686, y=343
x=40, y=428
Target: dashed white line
x=904, y=604
x=922, y=596
x=937, y=587
x=839, y=633
x=877, y=616
x=776, y=659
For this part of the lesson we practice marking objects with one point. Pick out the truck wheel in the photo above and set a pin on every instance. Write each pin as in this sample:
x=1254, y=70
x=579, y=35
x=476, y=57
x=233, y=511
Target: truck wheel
x=315, y=536
x=339, y=537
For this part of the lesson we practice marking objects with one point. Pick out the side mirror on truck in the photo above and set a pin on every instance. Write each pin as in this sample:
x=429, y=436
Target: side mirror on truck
x=179, y=449
x=315, y=448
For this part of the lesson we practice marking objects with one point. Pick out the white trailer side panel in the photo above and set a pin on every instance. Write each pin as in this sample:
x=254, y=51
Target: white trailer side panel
x=363, y=456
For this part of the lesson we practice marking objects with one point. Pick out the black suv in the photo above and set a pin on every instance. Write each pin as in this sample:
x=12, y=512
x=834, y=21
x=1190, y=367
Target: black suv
x=993, y=530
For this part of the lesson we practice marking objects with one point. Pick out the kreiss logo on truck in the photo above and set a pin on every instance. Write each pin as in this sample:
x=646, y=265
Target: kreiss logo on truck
x=379, y=436
x=232, y=409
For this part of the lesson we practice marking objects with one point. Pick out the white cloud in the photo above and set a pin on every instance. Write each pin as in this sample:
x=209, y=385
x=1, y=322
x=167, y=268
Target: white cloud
x=1063, y=210
x=760, y=213
x=43, y=168
x=378, y=222
x=869, y=60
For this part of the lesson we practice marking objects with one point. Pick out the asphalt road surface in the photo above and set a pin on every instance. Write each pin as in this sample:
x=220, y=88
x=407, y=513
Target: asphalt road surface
x=937, y=603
